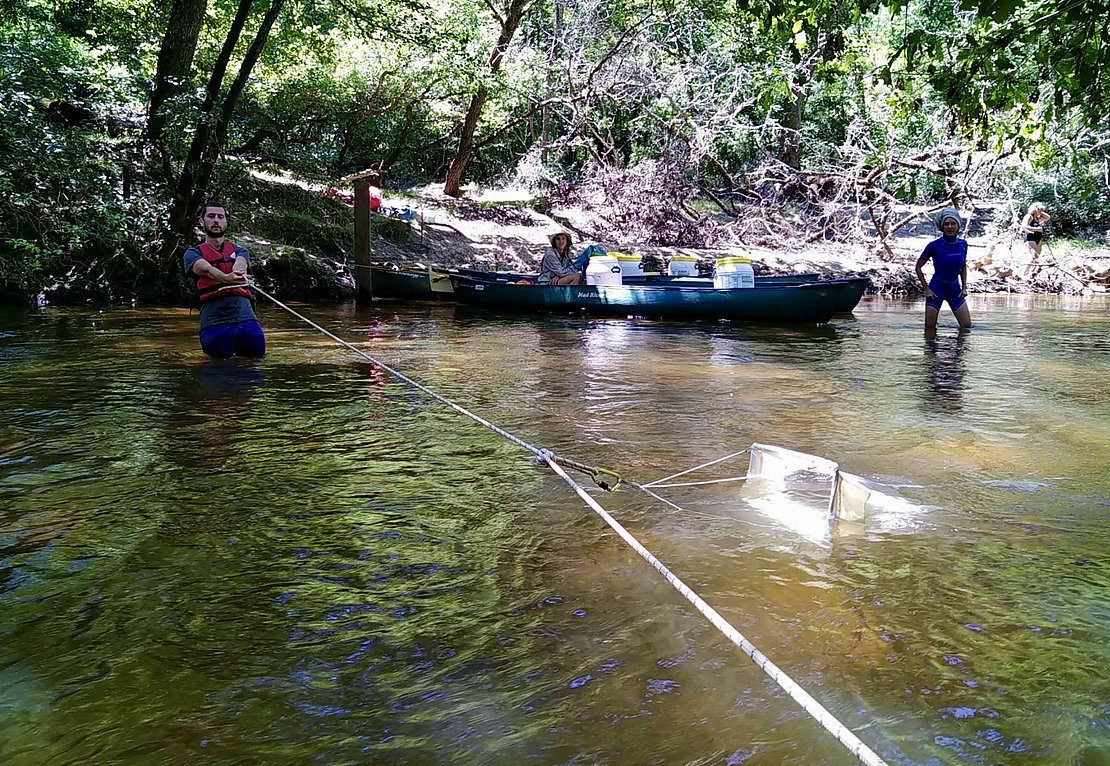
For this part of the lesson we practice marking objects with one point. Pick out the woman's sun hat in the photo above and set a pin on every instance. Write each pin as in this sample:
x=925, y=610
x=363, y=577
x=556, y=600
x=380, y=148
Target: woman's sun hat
x=551, y=237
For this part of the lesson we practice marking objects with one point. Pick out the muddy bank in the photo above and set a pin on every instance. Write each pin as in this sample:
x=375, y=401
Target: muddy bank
x=302, y=242
x=494, y=234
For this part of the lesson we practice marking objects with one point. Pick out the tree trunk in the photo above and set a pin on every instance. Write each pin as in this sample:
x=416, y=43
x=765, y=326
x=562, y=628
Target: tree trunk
x=175, y=61
x=192, y=185
x=181, y=210
x=549, y=84
x=792, y=139
x=514, y=13
x=402, y=138
x=453, y=183
x=212, y=150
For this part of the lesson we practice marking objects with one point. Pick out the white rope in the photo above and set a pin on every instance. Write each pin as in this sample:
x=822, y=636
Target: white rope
x=745, y=477
x=796, y=692
x=651, y=494
x=697, y=468
x=439, y=398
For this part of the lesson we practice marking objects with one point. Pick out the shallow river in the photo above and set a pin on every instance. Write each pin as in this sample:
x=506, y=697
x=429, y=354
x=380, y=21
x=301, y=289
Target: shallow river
x=306, y=561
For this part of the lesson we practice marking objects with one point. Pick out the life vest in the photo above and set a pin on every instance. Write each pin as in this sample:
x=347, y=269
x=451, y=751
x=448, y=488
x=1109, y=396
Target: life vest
x=223, y=259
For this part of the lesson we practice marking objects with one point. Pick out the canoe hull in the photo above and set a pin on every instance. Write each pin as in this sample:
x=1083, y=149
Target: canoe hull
x=410, y=284
x=804, y=303
x=850, y=298
x=413, y=284
x=404, y=285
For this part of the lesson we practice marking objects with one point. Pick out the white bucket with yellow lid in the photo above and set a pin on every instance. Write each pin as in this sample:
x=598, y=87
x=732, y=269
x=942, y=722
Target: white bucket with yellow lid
x=683, y=266
x=733, y=272
x=603, y=270
x=631, y=265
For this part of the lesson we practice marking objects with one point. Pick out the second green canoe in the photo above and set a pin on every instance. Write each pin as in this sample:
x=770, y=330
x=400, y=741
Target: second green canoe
x=803, y=303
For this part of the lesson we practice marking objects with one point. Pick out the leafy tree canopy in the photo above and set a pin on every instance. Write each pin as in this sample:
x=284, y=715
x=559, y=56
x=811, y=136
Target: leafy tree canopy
x=898, y=99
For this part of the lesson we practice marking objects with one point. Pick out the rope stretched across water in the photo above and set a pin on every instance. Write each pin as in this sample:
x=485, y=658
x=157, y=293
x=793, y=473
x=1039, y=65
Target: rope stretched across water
x=815, y=709
x=659, y=482
x=789, y=685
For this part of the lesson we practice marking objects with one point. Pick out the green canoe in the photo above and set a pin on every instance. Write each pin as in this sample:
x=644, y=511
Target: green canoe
x=811, y=302
x=429, y=283
x=412, y=283
x=850, y=300
x=405, y=284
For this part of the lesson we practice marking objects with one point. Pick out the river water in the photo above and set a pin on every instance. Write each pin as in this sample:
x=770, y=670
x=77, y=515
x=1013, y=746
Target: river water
x=304, y=560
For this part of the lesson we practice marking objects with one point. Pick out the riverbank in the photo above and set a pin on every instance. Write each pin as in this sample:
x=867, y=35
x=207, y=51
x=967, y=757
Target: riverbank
x=301, y=238
x=504, y=231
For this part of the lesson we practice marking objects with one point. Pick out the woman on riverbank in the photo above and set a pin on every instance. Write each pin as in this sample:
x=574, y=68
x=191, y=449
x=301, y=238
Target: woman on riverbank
x=1032, y=227
x=949, y=283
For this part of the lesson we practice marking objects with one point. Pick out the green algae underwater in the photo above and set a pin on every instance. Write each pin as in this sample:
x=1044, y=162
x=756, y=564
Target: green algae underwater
x=304, y=560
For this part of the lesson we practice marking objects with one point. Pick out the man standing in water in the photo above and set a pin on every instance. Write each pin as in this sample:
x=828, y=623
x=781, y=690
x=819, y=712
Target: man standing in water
x=228, y=325
x=949, y=282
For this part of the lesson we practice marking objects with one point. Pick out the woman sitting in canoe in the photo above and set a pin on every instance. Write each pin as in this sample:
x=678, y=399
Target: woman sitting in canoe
x=558, y=266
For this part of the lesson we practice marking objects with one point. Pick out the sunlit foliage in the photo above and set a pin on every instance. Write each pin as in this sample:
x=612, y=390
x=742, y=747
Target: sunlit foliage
x=925, y=90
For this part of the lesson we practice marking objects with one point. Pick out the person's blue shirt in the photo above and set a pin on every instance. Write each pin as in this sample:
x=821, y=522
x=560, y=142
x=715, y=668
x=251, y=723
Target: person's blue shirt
x=949, y=257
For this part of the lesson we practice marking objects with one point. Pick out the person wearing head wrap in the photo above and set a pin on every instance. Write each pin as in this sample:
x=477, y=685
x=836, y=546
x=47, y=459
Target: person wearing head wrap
x=949, y=283
x=558, y=265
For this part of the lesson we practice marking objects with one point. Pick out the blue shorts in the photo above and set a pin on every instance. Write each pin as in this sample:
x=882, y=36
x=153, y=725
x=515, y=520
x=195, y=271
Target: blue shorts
x=241, y=338
x=945, y=291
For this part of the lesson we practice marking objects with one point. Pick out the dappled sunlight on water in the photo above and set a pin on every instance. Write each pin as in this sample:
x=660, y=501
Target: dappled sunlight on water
x=304, y=560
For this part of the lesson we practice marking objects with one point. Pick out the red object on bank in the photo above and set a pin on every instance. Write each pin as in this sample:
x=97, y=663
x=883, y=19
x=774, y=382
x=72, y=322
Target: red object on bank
x=375, y=197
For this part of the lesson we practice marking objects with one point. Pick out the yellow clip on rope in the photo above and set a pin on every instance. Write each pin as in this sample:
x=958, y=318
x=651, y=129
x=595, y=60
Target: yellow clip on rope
x=595, y=474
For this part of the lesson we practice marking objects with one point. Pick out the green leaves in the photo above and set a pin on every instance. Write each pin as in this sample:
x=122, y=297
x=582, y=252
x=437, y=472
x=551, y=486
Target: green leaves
x=709, y=87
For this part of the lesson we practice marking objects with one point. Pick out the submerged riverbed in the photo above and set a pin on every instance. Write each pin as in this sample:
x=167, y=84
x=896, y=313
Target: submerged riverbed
x=304, y=560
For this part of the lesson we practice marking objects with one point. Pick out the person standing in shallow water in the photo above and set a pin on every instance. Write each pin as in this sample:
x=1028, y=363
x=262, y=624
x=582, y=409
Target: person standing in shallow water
x=228, y=325
x=949, y=283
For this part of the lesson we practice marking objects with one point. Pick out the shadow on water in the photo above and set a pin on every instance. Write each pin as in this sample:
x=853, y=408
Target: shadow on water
x=224, y=381
x=944, y=371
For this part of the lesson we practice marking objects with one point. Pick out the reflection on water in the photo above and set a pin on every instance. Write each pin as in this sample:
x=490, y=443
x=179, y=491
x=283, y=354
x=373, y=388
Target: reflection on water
x=302, y=560
x=945, y=370
x=230, y=381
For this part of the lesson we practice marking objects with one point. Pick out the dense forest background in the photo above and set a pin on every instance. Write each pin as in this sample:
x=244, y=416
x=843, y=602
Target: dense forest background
x=800, y=117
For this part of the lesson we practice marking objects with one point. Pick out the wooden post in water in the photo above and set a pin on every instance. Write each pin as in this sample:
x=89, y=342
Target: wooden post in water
x=363, y=281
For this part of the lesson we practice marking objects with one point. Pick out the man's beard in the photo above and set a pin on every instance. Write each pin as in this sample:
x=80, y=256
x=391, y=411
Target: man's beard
x=213, y=234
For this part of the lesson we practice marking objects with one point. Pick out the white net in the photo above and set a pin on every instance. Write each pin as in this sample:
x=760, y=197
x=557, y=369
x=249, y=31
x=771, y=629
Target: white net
x=781, y=464
x=855, y=498
x=808, y=493
x=792, y=488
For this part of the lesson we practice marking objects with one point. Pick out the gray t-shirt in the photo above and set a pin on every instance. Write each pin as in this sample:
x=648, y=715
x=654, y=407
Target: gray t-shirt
x=554, y=265
x=225, y=309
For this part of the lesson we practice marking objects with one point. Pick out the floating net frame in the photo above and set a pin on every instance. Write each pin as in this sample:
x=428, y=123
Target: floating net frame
x=850, y=497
